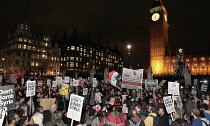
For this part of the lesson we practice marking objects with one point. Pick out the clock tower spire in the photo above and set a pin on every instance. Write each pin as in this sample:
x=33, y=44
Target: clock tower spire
x=158, y=36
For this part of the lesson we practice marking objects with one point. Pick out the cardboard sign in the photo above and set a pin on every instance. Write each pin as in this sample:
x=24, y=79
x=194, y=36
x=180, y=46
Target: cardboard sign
x=66, y=79
x=168, y=104
x=85, y=91
x=2, y=114
x=40, y=83
x=59, y=80
x=7, y=97
x=173, y=88
x=64, y=89
x=31, y=88
x=48, y=82
x=75, y=107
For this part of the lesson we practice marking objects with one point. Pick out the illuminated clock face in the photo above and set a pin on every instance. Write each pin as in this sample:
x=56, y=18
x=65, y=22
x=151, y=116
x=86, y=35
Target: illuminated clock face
x=155, y=16
x=165, y=17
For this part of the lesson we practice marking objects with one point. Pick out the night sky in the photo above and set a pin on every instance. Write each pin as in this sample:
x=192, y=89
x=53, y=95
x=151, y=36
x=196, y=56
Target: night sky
x=117, y=21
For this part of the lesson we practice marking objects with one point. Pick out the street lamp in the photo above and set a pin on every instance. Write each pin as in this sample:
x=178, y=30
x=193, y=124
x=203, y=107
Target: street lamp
x=129, y=53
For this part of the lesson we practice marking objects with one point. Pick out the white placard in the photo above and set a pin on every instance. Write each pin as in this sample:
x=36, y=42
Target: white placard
x=48, y=82
x=75, y=83
x=31, y=88
x=66, y=79
x=162, y=82
x=179, y=102
x=39, y=82
x=1, y=78
x=95, y=83
x=173, y=88
x=75, y=107
x=168, y=104
x=59, y=80
x=151, y=84
x=22, y=81
x=94, y=79
x=85, y=91
x=54, y=84
x=2, y=114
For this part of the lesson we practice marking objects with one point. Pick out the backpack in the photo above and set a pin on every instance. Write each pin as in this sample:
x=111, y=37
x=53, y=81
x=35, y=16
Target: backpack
x=156, y=120
x=133, y=123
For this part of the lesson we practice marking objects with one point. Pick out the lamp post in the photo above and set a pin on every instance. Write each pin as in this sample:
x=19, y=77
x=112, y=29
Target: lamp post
x=129, y=53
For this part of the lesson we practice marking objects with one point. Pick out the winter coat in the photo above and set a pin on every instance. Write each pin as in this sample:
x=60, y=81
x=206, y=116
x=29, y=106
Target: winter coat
x=149, y=120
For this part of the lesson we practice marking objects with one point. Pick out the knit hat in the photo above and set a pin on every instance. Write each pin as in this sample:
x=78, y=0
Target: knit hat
x=196, y=111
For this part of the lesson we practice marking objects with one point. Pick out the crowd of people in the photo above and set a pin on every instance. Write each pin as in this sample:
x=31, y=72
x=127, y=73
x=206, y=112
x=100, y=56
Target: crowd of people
x=137, y=108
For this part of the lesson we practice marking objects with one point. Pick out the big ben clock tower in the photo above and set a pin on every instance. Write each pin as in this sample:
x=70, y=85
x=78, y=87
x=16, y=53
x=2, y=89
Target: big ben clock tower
x=158, y=36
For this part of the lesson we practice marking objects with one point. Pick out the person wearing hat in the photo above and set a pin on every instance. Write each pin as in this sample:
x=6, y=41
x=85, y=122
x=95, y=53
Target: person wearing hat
x=197, y=121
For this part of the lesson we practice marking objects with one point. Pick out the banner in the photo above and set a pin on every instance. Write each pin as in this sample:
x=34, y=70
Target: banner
x=66, y=79
x=151, y=84
x=2, y=114
x=85, y=91
x=132, y=79
x=115, y=79
x=64, y=89
x=7, y=97
x=168, y=104
x=59, y=80
x=173, y=88
x=11, y=77
x=75, y=107
x=31, y=88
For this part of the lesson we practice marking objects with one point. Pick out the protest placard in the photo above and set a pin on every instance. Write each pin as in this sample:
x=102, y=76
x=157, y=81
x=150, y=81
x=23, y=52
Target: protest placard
x=2, y=114
x=125, y=108
x=75, y=107
x=85, y=91
x=173, y=88
x=7, y=97
x=22, y=81
x=48, y=82
x=151, y=84
x=66, y=79
x=162, y=82
x=1, y=78
x=75, y=83
x=168, y=104
x=54, y=84
x=179, y=102
x=31, y=87
x=204, y=87
x=65, y=89
x=132, y=79
x=39, y=82
x=95, y=82
x=59, y=80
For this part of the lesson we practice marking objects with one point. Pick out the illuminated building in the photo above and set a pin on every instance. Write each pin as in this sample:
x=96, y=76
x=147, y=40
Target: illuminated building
x=161, y=60
x=30, y=51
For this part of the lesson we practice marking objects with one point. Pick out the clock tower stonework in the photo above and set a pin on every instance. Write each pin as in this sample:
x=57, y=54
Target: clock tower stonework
x=158, y=37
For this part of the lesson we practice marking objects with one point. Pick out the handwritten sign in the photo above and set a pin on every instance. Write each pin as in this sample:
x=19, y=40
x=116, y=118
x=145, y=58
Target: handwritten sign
x=64, y=89
x=75, y=107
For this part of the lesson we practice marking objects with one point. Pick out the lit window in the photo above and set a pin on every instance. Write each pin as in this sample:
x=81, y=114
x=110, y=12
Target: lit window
x=25, y=40
x=77, y=48
x=32, y=63
x=46, y=44
x=76, y=64
x=80, y=54
x=37, y=56
x=71, y=64
x=20, y=39
x=195, y=65
x=203, y=64
x=34, y=48
x=72, y=47
x=29, y=41
x=29, y=47
x=68, y=48
x=19, y=46
x=202, y=58
x=47, y=39
x=24, y=46
x=84, y=50
x=26, y=28
x=187, y=60
x=44, y=56
x=80, y=59
x=81, y=50
x=194, y=59
x=91, y=51
x=37, y=64
x=72, y=58
x=77, y=58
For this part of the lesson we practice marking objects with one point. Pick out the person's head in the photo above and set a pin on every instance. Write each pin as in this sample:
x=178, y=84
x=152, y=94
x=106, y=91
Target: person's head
x=59, y=115
x=40, y=109
x=133, y=112
x=53, y=107
x=13, y=118
x=202, y=115
x=138, y=107
x=204, y=107
x=119, y=109
x=161, y=111
x=38, y=118
x=24, y=121
x=195, y=113
x=47, y=116
x=152, y=109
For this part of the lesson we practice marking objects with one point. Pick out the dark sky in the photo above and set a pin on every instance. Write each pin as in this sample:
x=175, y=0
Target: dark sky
x=117, y=21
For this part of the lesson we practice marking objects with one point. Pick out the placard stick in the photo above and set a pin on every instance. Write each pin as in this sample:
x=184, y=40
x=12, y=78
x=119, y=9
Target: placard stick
x=72, y=121
x=49, y=90
x=30, y=106
x=172, y=117
x=181, y=112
